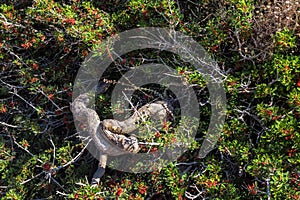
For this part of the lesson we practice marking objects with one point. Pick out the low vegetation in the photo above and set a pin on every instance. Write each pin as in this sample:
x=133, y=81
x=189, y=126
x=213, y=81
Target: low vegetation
x=256, y=45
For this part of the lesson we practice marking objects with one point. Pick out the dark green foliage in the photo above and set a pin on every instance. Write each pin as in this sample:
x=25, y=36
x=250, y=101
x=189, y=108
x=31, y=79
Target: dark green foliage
x=256, y=44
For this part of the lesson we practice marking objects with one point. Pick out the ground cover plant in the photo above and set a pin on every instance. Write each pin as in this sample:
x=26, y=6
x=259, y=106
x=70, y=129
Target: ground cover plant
x=256, y=46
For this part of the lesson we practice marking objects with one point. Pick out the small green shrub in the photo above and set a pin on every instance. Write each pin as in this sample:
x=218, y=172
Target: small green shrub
x=256, y=44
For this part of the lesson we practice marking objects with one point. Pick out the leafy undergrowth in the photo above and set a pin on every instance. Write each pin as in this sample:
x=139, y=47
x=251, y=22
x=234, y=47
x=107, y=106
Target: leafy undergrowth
x=256, y=45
